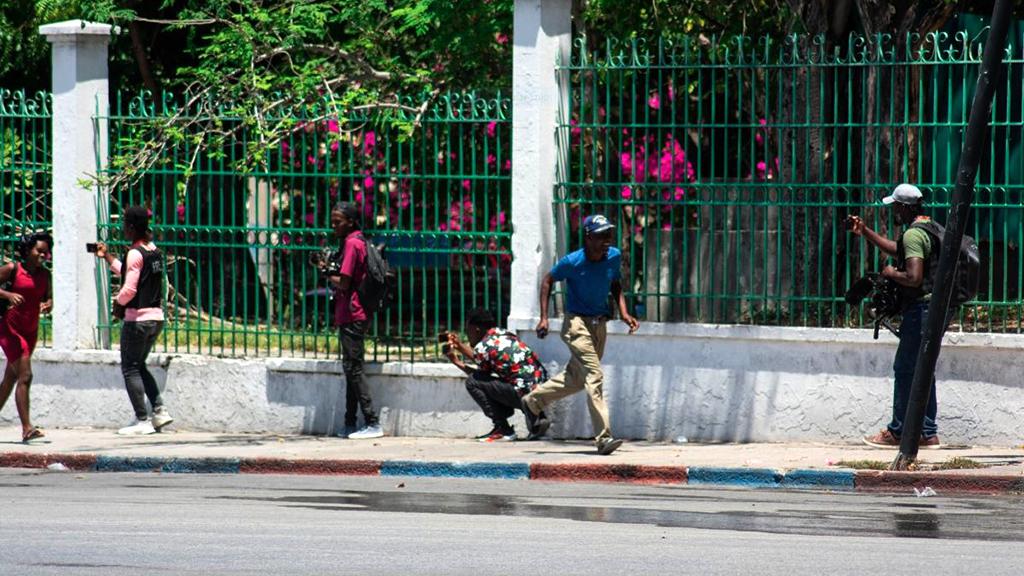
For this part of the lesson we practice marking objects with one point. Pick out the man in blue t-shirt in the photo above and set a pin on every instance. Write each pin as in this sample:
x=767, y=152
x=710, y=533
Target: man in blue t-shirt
x=591, y=274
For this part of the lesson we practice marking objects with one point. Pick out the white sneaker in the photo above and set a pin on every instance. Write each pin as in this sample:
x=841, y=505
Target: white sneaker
x=161, y=417
x=367, y=432
x=140, y=428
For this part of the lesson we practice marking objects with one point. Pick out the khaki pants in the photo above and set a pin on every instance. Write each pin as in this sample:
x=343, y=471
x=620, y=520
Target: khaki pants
x=585, y=336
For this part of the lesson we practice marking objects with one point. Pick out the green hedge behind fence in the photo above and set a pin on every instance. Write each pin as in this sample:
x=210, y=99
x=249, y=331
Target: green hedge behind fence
x=25, y=172
x=239, y=240
x=730, y=165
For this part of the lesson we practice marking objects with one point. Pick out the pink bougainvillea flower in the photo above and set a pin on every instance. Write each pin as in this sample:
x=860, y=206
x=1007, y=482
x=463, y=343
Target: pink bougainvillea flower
x=761, y=169
x=286, y=150
x=181, y=212
x=575, y=130
x=508, y=165
x=763, y=121
x=654, y=101
x=332, y=126
x=680, y=194
x=671, y=91
x=626, y=160
x=440, y=158
x=368, y=183
x=492, y=160
x=492, y=128
x=369, y=142
x=626, y=192
x=501, y=38
x=466, y=185
x=758, y=138
x=310, y=218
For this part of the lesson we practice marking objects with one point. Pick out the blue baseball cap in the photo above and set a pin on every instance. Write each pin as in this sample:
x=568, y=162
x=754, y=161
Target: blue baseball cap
x=596, y=223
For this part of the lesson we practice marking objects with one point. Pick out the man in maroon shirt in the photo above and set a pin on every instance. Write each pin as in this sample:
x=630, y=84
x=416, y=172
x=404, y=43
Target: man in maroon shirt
x=352, y=320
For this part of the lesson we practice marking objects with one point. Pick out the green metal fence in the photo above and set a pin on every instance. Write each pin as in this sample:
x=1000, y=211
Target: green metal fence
x=239, y=239
x=730, y=164
x=25, y=172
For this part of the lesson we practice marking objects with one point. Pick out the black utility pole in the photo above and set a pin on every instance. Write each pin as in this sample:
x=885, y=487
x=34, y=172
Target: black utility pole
x=970, y=157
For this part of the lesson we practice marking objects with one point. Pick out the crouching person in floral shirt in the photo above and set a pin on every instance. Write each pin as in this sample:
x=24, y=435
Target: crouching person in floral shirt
x=505, y=370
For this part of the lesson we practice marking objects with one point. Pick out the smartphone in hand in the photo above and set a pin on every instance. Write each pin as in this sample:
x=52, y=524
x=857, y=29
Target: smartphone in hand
x=91, y=247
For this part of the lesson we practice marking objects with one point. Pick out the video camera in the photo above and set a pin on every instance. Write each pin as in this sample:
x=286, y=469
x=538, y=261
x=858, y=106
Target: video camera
x=885, y=299
x=327, y=260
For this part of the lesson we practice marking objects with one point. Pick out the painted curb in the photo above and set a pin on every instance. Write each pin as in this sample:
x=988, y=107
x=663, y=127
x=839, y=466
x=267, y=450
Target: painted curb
x=743, y=477
x=493, y=470
x=630, y=473
x=168, y=465
x=839, y=480
x=76, y=462
x=768, y=478
x=826, y=479
x=310, y=467
x=884, y=481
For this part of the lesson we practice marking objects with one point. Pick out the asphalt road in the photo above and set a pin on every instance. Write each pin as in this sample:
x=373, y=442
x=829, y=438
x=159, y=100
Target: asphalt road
x=131, y=524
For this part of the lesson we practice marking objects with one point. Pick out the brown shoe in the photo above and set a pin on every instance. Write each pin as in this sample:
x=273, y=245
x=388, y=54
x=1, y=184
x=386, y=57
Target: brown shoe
x=930, y=443
x=884, y=439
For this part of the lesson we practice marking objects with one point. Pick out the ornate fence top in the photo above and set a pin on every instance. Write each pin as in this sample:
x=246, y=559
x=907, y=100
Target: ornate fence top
x=18, y=104
x=793, y=50
x=447, y=107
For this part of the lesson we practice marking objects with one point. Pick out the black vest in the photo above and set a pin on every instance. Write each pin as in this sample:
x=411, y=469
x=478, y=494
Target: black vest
x=150, y=292
x=909, y=295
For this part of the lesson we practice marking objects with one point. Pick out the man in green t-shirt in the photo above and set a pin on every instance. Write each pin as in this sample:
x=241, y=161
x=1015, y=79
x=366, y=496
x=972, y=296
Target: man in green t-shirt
x=916, y=264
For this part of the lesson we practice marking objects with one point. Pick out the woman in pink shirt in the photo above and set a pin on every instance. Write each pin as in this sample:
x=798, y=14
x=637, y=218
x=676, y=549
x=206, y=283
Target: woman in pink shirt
x=140, y=304
x=28, y=296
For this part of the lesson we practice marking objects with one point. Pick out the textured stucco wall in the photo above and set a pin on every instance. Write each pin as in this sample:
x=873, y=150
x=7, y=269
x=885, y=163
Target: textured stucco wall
x=705, y=382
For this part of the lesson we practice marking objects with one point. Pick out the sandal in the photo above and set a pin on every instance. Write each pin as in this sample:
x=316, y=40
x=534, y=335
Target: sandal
x=33, y=434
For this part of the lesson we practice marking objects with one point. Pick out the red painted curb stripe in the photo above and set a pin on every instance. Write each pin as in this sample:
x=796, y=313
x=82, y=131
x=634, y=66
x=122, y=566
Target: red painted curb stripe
x=885, y=481
x=33, y=460
x=310, y=467
x=609, y=473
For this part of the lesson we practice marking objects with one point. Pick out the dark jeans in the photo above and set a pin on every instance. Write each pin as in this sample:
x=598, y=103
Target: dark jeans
x=353, y=351
x=137, y=339
x=915, y=322
x=497, y=399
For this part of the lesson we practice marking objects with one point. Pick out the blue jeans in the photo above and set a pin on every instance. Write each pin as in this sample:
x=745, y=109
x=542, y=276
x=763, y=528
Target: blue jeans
x=915, y=322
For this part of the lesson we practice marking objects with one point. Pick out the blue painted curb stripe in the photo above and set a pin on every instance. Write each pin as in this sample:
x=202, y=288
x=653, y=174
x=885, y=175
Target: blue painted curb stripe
x=509, y=471
x=752, y=477
x=169, y=465
x=834, y=479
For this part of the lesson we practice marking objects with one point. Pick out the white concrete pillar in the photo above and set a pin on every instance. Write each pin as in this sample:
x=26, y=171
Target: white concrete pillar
x=542, y=35
x=80, y=90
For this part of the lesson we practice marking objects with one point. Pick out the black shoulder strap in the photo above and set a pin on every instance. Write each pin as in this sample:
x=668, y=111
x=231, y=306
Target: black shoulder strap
x=930, y=226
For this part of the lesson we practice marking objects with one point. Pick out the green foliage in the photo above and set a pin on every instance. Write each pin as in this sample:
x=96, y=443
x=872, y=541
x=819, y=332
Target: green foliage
x=670, y=20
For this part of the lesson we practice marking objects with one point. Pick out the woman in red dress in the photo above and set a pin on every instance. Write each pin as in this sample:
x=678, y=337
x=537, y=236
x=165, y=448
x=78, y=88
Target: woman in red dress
x=28, y=296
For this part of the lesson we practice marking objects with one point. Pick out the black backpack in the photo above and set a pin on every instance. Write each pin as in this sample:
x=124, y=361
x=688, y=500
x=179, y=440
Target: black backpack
x=968, y=268
x=377, y=290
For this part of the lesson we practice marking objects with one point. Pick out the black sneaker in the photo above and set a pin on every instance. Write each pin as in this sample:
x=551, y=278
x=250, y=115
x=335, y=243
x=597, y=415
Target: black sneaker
x=541, y=425
x=608, y=446
x=531, y=418
x=487, y=434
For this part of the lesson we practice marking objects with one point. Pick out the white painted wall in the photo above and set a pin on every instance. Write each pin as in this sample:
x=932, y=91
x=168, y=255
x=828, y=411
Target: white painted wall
x=723, y=383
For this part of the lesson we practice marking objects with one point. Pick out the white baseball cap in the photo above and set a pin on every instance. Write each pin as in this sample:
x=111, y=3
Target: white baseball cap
x=904, y=194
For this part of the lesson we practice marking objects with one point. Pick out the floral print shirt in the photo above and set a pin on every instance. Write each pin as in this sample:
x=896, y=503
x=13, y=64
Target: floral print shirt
x=503, y=354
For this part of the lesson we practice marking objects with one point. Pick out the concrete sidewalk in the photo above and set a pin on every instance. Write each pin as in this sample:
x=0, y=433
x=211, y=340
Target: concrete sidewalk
x=750, y=465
